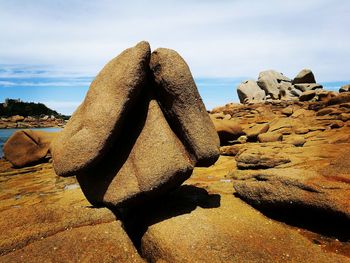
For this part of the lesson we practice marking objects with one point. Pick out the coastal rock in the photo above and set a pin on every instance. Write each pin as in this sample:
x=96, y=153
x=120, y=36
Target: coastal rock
x=307, y=86
x=304, y=76
x=57, y=233
x=260, y=159
x=117, y=181
x=16, y=118
x=298, y=189
x=253, y=132
x=270, y=137
x=228, y=130
x=183, y=107
x=270, y=80
x=307, y=95
x=249, y=92
x=345, y=88
x=101, y=116
x=27, y=147
x=229, y=231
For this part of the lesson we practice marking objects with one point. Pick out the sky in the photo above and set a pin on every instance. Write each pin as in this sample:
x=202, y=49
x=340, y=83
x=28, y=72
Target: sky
x=51, y=50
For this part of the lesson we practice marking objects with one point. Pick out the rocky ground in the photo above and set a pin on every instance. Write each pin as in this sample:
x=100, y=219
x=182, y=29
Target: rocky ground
x=21, y=122
x=279, y=192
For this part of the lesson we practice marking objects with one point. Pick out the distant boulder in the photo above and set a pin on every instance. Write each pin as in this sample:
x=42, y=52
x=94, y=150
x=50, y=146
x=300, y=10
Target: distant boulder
x=308, y=86
x=27, y=147
x=250, y=92
x=345, y=88
x=270, y=82
x=304, y=76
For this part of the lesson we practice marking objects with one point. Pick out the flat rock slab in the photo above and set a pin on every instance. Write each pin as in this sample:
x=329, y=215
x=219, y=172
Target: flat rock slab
x=261, y=158
x=32, y=223
x=232, y=232
x=106, y=242
x=298, y=189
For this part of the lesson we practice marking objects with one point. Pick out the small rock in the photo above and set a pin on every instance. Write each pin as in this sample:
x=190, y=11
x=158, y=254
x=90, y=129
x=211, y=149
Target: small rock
x=253, y=132
x=307, y=95
x=345, y=88
x=260, y=159
x=287, y=111
x=270, y=137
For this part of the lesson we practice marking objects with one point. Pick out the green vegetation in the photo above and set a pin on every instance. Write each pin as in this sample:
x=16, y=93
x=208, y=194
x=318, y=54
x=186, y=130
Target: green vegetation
x=17, y=107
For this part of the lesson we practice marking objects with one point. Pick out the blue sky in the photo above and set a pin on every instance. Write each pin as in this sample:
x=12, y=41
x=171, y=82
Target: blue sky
x=51, y=50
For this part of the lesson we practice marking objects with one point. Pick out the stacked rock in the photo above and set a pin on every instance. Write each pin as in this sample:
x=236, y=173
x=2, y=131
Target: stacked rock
x=273, y=85
x=140, y=130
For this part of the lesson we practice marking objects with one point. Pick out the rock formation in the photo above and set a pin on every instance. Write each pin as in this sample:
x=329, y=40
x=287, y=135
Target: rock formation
x=272, y=85
x=140, y=130
x=27, y=147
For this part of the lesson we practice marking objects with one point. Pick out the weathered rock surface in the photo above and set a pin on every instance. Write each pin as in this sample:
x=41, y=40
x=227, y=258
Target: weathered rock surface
x=27, y=147
x=250, y=92
x=183, y=106
x=270, y=80
x=228, y=130
x=345, y=88
x=253, y=132
x=117, y=181
x=47, y=219
x=228, y=232
x=307, y=95
x=304, y=76
x=270, y=137
x=99, y=119
x=260, y=159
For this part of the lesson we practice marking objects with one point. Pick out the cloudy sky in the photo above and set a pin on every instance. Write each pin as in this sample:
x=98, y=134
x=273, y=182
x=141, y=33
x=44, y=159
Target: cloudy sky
x=51, y=50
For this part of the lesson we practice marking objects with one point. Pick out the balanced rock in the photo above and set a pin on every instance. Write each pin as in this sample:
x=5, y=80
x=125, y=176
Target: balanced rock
x=157, y=161
x=141, y=129
x=304, y=76
x=99, y=119
x=250, y=92
x=27, y=147
x=183, y=107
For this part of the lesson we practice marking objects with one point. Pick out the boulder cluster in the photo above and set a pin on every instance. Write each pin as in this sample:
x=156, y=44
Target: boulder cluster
x=140, y=130
x=272, y=85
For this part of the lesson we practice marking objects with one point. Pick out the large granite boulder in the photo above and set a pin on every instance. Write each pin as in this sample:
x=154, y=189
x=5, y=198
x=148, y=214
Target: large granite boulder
x=304, y=76
x=250, y=92
x=28, y=147
x=183, y=107
x=271, y=82
x=146, y=138
x=155, y=162
x=99, y=119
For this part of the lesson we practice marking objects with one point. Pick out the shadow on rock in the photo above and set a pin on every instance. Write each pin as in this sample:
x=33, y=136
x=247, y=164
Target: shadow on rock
x=183, y=200
x=318, y=221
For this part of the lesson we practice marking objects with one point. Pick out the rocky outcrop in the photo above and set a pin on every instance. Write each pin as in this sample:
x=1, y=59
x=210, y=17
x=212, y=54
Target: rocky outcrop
x=249, y=91
x=272, y=85
x=345, y=88
x=27, y=147
x=304, y=76
x=151, y=131
x=228, y=130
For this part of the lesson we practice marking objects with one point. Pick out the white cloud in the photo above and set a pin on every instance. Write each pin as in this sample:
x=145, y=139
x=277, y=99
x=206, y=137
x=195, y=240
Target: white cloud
x=63, y=107
x=217, y=38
